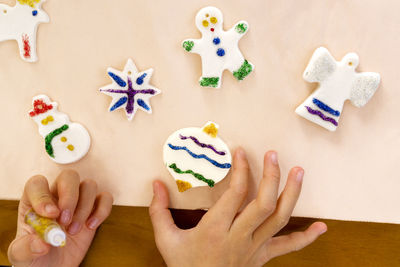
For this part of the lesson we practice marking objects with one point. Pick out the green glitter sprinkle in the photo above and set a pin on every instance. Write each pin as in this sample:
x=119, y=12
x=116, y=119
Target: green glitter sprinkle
x=197, y=175
x=50, y=137
x=241, y=28
x=243, y=71
x=210, y=82
x=188, y=45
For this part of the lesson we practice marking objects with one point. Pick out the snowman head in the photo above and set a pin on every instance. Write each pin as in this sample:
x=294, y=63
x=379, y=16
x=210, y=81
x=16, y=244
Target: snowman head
x=33, y=10
x=209, y=20
x=351, y=60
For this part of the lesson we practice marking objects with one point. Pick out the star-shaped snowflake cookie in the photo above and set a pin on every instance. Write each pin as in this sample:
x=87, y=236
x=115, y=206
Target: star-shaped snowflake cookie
x=130, y=89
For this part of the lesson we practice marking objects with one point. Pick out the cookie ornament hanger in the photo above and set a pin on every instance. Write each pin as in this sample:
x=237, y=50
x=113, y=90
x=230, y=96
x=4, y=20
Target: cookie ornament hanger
x=65, y=142
x=197, y=157
x=20, y=23
x=218, y=48
x=338, y=82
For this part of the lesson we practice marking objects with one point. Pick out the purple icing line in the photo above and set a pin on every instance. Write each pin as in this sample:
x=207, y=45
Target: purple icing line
x=222, y=153
x=321, y=115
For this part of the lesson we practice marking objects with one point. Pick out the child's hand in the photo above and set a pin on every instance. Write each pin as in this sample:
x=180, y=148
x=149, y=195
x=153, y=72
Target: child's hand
x=77, y=205
x=225, y=237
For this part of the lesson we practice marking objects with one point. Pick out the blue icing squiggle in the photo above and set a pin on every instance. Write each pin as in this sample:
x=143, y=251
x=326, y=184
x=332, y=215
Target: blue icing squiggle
x=119, y=103
x=201, y=156
x=143, y=104
x=117, y=79
x=139, y=80
x=325, y=107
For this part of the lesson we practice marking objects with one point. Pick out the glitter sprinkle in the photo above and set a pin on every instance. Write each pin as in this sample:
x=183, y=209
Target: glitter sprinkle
x=50, y=137
x=243, y=71
x=209, y=81
x=196, y=175
x=321, y=115
x=27, y=46
x=183, y=185
x=194, y=139
x=326, y=108
x=188, y=45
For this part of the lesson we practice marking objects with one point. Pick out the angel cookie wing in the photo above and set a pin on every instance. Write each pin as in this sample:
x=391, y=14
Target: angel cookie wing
x=363, y=88
x=321, y=65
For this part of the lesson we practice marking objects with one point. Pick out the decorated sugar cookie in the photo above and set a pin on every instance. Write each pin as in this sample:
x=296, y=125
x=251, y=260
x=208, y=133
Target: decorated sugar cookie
x=338, y=82
x=65, y=142
x=130, y=89
x=217, y=48
x=20, y=23
x=197, y=157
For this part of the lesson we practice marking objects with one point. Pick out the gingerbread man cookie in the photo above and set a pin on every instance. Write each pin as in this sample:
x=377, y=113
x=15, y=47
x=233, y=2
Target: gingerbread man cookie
x=20, y=23
x=217, y=48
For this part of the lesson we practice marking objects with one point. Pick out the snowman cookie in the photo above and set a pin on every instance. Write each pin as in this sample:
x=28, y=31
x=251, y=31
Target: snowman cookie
x=197, y=157
x=338, y=82
x=130, y=89
x=20, y=23
x=65, y=142
x=217, y=48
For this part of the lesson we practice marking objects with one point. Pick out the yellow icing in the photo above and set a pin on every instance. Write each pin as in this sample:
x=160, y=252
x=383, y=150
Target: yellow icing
x=47, y=120
x=63, y=139
x=211, y=130
x=30, y=3
x=213, y=20
x=183, y=185
x=205, y=23
x=71, y=147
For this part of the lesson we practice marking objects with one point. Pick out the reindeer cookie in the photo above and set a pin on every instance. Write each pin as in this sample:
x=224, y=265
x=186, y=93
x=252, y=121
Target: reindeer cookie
x=20, y=23
x=338, y=82
x=65, y=142
x=218, y=48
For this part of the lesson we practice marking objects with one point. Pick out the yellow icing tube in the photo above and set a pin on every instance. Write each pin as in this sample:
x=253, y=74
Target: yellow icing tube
x=49, y=230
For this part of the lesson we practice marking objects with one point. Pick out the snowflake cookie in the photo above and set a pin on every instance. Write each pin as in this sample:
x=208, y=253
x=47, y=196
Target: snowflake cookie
x=65, y=142
x=20, y=23
x=338, y=82
x=197, y=157
x=217, y=48
x=130, y=89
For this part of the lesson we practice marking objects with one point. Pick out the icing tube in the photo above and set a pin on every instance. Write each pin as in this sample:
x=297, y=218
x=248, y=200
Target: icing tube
x=49, y=230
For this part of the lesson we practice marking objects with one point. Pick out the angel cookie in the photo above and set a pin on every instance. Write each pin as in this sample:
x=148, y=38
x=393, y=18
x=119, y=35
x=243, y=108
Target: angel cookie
x=197, y=157
x=338, y=82
x=20, y=23
x=65, y=141
x=217, y=48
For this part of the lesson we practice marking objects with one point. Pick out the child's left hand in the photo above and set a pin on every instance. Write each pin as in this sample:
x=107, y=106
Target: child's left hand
x=77, y=206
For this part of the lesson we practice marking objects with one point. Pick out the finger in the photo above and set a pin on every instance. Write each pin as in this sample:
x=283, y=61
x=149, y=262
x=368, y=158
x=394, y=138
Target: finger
x=226, y=208
x=103, y=206
x=295, y=241
x=67, y=190
x=160, y=215
x=286, y=203
x=87, y=197
x=259, y=209
x=37, y=195
x=24, y=250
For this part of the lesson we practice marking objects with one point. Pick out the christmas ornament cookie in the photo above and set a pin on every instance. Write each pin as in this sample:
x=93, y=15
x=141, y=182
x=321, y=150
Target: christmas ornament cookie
x=130, y=89
x=20, y=23
x=217, y=48
x=338, y=82
x=65, y=142
x=197, y=157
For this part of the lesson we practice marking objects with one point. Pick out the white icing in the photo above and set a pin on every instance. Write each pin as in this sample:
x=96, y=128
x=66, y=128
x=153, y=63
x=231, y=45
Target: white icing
x=338, y=82
x=185, y=161
x=76, y=135
x=130, y=71
x=18, y=22
x=212, y=64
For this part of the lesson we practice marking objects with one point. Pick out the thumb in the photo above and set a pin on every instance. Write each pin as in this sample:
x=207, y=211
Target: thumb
x=25, y=249
x=161, y=217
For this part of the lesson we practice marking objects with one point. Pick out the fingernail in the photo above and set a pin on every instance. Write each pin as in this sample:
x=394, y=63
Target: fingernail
x=65, y=217
x=92, y=223
x=240, y=153
x=156, y=187
x=36, y=246
x=50, y=208
x=274, y=158
x=74, y=228
x=300, y=175
x=323, y=231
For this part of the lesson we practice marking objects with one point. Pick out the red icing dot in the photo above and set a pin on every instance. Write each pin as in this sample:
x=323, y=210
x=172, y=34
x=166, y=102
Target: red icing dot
x=212, y=29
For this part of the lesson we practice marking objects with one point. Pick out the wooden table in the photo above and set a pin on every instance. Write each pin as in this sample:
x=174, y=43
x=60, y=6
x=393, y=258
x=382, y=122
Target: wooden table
x=126, y=239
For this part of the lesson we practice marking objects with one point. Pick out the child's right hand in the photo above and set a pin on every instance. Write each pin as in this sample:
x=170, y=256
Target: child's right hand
x=225, y=237
x=78, y=207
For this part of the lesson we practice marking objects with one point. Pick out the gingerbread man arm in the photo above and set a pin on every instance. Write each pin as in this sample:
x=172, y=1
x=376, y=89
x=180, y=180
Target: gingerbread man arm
x=240, y=29
x=192, y=45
